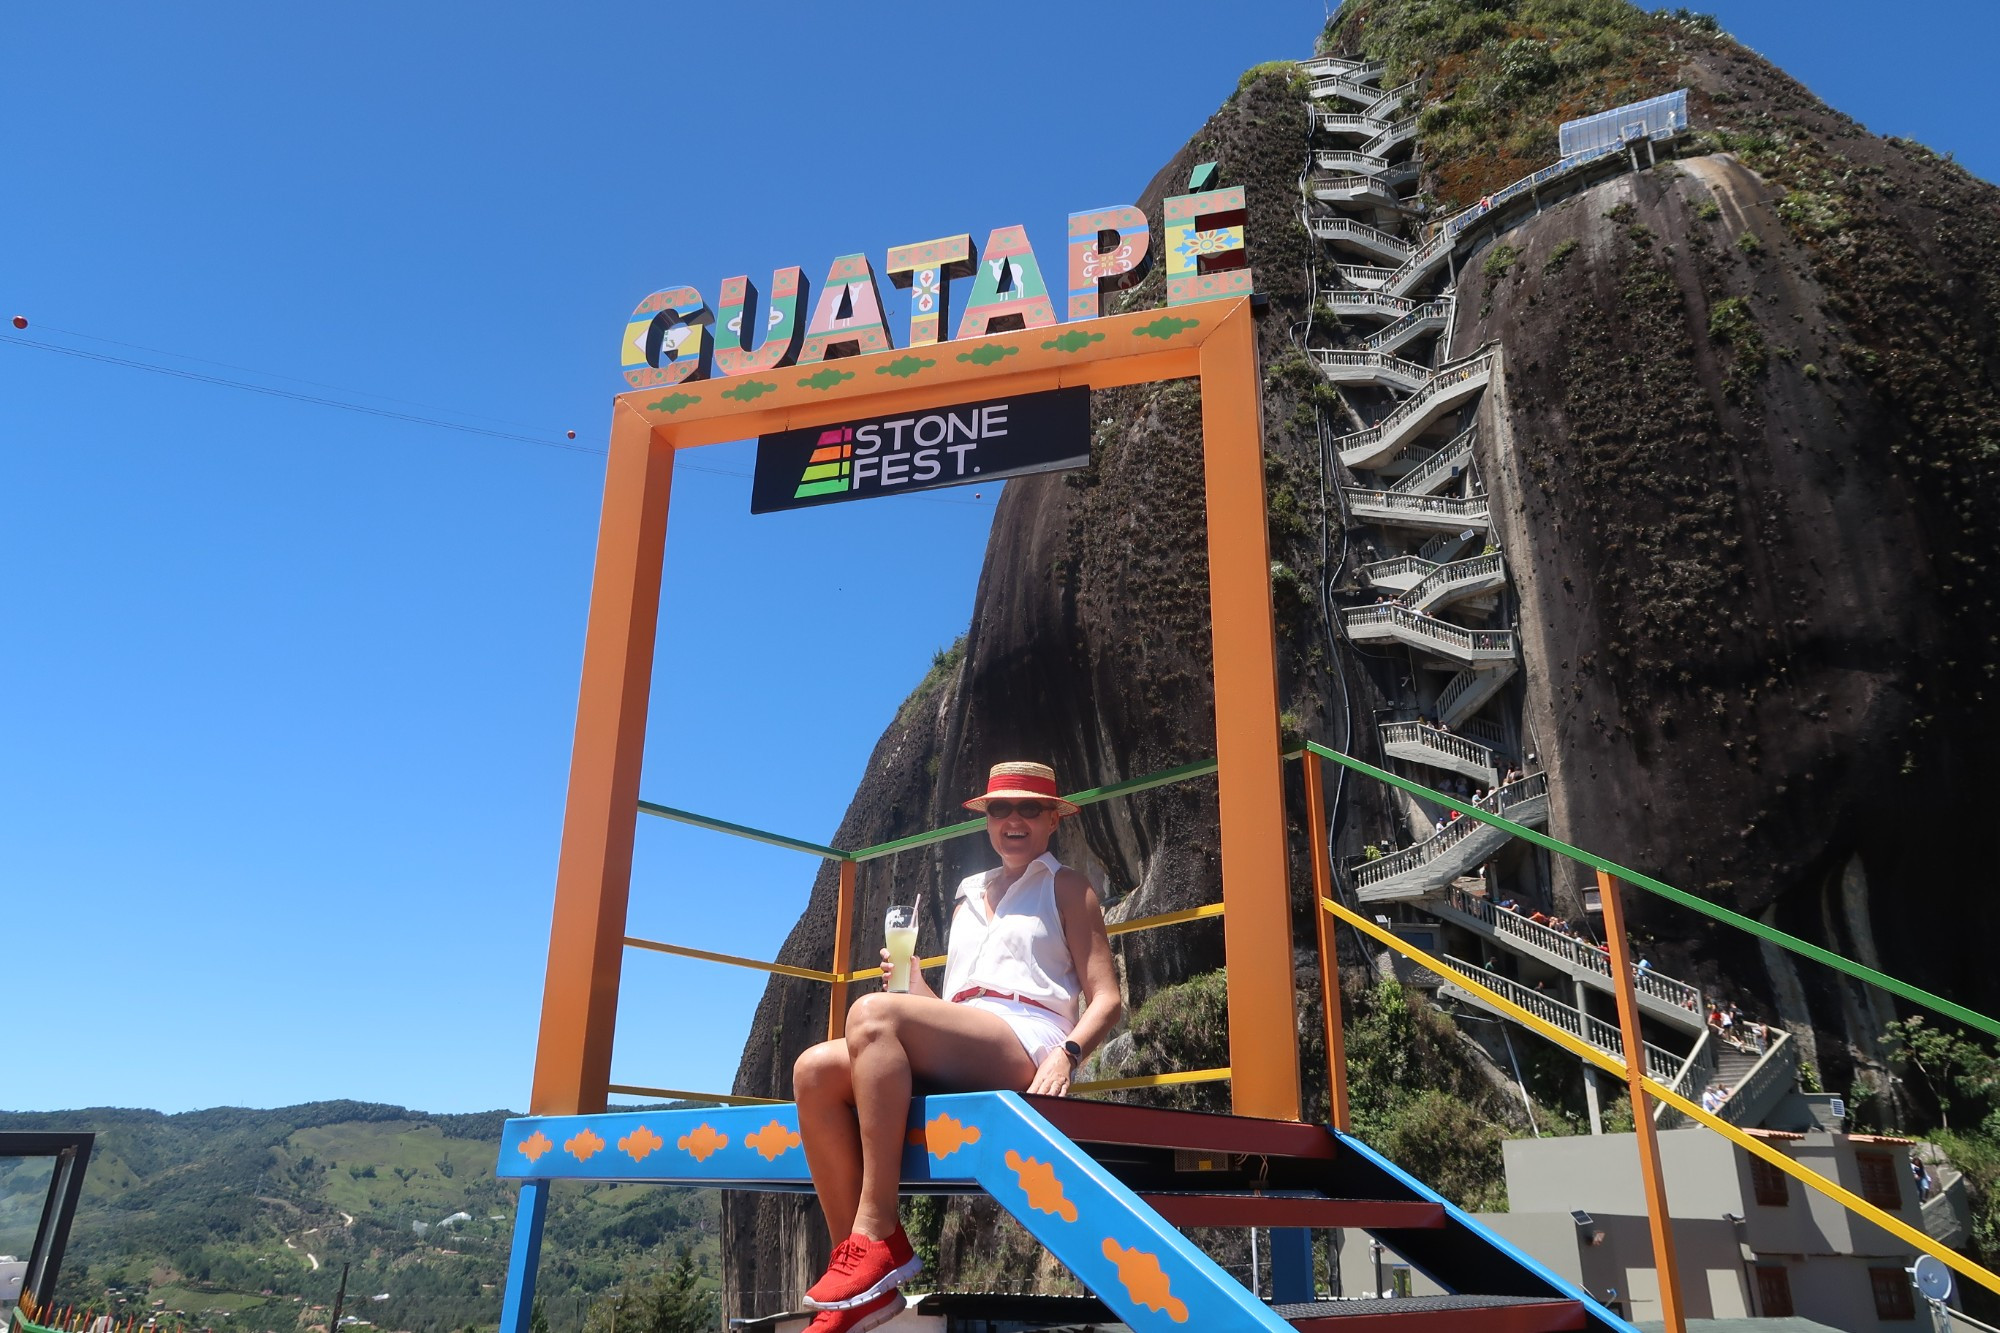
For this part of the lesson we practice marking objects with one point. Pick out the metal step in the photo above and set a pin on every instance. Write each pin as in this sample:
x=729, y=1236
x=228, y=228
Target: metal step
x=1113, y=1123
x=1436, y=1314
x=1295, y=1208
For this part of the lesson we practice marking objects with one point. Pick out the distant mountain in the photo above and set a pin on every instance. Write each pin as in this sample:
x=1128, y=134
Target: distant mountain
x=233, y=1218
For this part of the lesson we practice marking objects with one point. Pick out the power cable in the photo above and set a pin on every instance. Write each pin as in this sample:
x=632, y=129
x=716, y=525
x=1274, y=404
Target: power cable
x=276, y=375
x=294, y=395
x=318, y=400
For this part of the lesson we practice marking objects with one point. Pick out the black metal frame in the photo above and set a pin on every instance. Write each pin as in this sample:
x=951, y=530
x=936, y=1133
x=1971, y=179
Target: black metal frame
x=72, y=1155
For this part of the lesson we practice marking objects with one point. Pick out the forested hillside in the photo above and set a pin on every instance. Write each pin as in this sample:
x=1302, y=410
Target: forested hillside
x=241, y=1219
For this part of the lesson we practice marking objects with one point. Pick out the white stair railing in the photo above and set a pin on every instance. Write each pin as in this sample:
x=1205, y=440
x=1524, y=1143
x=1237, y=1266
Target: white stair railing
x=1454, y=456
x=1455, y=640
x=1415, y=317
x=1400, y=566
x=1662, y=1065
x=1346, y=159
x=1361, y=70
x=1342, y=122
x=1778, y=1067
x=1461, y=685
x=1399, y=131
x=1364, y=275
x=1440, y=580
x=1696, y=1072
x=1341, y=365
x=1365, y=873
x=1486, y=733
x=1342, y=188
x=1443, y=742
x=1350, y=299
x=1356, y=448
x=1577, y=952
x=1439, y=507
x=1390, y=100
x=1341, y=85
x=1330, y=229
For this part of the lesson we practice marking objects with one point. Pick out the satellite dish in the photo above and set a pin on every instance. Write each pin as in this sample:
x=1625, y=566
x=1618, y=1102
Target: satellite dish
x=1932, y=1278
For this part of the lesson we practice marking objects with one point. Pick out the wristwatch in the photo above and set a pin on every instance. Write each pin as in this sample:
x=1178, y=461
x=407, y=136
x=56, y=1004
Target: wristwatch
x=1074, y=1052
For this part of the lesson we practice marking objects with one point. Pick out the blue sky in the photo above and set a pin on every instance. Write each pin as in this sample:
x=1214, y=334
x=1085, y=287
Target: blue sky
x=288, y=690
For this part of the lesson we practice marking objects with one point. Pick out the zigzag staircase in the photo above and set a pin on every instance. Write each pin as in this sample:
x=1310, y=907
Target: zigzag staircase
x=1105, y=1188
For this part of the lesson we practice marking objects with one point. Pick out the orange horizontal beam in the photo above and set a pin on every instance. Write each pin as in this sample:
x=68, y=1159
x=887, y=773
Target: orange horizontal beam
x=1137, y=348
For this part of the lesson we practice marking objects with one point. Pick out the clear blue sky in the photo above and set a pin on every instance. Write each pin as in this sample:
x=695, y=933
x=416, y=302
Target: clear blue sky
x=288, y=690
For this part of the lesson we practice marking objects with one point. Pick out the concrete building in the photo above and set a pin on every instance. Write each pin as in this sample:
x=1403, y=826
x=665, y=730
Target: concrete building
x=1750, y=1240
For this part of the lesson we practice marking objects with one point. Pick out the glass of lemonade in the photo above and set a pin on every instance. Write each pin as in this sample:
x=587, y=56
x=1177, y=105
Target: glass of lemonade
x=899, y=931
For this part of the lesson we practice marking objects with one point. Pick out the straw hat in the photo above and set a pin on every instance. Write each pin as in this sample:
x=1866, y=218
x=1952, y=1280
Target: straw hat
x=1021, y=782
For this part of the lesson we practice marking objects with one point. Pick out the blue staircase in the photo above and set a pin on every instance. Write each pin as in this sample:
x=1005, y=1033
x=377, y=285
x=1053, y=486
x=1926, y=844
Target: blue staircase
x=1105, y=1188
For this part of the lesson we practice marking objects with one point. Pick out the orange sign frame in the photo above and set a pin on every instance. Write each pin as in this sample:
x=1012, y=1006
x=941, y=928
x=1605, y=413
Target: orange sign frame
x=1213, y=341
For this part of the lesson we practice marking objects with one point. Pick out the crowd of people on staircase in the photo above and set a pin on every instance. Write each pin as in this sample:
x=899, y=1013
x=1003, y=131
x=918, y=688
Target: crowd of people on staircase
x=1726, y=1023
x=1485, y=798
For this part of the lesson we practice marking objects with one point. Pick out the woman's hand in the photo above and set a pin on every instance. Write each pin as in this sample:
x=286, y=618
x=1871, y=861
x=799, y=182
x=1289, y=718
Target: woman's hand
x=918, y=986
x=1052, y=1079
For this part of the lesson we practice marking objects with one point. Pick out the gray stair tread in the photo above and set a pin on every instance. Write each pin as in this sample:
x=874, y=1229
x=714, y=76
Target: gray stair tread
x=1253, y=1194
x=1407, y=1305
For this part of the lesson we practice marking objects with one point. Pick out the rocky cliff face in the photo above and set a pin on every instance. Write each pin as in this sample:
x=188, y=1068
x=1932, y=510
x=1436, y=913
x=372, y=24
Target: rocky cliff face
x=1744, y=458
x=1741, y=459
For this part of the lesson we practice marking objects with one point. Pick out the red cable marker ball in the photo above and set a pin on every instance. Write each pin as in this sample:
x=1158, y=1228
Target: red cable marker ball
x=20, y=321
x=572, y=435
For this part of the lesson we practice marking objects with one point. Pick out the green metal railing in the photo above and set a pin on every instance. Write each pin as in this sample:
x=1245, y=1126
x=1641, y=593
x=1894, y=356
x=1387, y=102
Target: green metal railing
x=1803, y=948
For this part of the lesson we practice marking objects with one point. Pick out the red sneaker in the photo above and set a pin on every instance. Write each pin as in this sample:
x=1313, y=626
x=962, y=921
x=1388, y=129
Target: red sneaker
x=863, y=1269
x=861, y=1318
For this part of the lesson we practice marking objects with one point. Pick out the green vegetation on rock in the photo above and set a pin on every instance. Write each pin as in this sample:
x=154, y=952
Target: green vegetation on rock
x=1502, y=74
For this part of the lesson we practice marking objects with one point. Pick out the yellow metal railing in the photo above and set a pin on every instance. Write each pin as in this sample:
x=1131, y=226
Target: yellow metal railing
x=1813, y=1180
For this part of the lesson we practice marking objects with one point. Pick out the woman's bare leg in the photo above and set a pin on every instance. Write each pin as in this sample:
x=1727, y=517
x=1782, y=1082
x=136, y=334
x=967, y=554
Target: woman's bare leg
x=831, y=1135
x=890, y=1038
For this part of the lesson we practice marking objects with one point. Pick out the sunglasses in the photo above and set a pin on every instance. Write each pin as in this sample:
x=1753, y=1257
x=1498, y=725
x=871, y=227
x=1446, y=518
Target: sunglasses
x=1008, y=809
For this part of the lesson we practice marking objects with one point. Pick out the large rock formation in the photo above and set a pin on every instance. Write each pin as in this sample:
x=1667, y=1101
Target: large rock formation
x=1743, y=456
x=1741, y=459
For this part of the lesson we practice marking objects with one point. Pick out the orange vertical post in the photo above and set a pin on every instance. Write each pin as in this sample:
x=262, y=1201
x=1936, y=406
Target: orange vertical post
x=1650, y=1172
x=1314, y=771
x=594, y=872
x=1257, y=927
x=843, y=956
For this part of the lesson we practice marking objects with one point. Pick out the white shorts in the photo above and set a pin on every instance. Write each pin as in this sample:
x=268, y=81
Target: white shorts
x=1039, y=1030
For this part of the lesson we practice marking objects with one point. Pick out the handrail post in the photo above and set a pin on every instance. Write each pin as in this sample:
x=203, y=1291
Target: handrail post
x=843, y=948
x=1314, y=770
x=1650, y=1173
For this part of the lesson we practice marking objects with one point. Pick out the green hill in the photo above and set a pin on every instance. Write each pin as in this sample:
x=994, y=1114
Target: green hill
x=241, y=1219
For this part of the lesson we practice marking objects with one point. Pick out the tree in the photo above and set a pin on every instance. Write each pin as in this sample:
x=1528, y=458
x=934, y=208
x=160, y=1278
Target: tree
x=1949, y=1062
x=669, y=1299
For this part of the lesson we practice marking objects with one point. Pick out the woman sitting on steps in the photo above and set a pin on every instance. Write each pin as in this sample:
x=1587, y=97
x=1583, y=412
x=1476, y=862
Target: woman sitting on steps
x=1027, y=945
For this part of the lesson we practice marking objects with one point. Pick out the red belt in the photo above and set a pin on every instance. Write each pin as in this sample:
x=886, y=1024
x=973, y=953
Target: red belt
x=975, y=992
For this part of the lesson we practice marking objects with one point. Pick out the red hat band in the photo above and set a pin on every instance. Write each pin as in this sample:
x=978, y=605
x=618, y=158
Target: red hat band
x=1020, y=782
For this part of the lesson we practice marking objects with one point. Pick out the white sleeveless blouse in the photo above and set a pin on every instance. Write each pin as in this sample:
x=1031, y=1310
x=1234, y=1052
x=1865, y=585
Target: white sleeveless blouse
x=1021, y=948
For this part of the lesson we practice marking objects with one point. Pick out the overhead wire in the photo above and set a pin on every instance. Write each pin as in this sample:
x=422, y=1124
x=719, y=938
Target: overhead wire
x=223, y=381
x=345, y=405
x=274, y=374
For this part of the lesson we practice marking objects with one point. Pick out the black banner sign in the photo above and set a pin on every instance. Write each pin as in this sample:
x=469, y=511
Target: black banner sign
x=921, y=451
